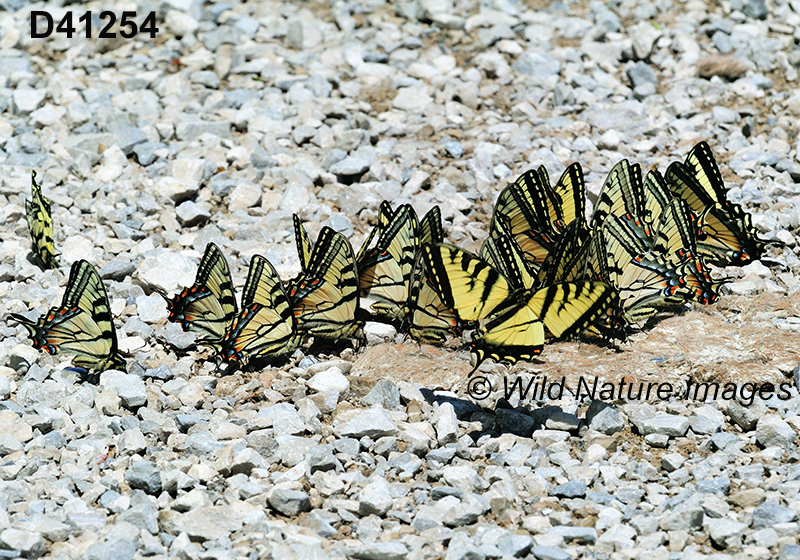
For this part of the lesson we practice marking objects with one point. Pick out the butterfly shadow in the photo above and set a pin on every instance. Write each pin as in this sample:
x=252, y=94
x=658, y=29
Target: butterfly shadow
x=504, y=418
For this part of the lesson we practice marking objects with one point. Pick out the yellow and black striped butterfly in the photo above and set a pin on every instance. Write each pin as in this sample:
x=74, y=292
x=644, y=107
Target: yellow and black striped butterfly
x=207, y=307
x=40, y=225
x=675, y=238
x=385, y=270
x=645, y=281
x=513, y=321
x=529, y=207
x=501, y=251
x=303, y=250
x=567, y=260
x=622, y=193
x=656, y=196
x=570, y=196
x=82, y=325
x=427, y=318
x=514, y=330
x=725, y=230
x=385, y=215
x=325, y=298
x=266, y=325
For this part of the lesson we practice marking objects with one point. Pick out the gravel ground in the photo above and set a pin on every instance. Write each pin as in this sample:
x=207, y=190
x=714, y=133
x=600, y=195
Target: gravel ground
x=237, y=115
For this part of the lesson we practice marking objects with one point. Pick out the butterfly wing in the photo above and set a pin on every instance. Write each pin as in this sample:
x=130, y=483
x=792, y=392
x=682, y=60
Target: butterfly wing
x=514, y=332
x=569, y=308
x=40, y=225
x=621, y=193
x=266, y=326
x=82, y=325
x=430, y=227
x=656, y=196
x=502, y=252
x=465, y=283
x=429, y=319
x=385, y=271
x=325, y=299
x=385, y=215
x=570, y=191
x=567, y=261
x=525, y=205
x=208, y=307
x=302, y=242
x=683, y=184
x=703, y=165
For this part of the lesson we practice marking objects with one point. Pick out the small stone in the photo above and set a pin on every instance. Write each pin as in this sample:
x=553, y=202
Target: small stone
x=376, y=498
x=379, y=551
x=772, y=430
x=412, y=99
x=180, y=23
x=604, y=418
x=770, y=513
x=659, y=441
x=671, y=425
x=550, y=553
x=379, y=333
x=331, y=379
x=672, y=461
x=243, y=196
x=132, y=441
x=515, y=423
x=129, y=387
x=289, y=502
x=189, y=214
x=585, y=535
x=144, y=475
x=384, y=393
x=728, y=67
x=641, y=73
x=373, y=423
x=151, y=309
x=27, y=100
x=454, y=149
x=209, y=523
x=28, y=543
x=351, y=166
x=571, y=489
x=461, y=547
x=445, y=422
x=746, y=417
x=320, y=458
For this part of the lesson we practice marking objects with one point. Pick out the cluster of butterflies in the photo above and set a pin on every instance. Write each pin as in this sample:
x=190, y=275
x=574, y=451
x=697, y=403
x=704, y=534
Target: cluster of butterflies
x=543, y=269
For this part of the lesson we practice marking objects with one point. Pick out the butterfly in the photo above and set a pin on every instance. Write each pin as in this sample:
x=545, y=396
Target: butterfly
x=621, y=193
x=511, y=322
x=427, y=318
x=40, y=224
x=385, y=270
x=304, y=248
x=82, y=325
x=568, y=199
x=266, y=325
x=645, y=281
x=325, y=297
x=528, y=206
x=725, y=230
x=385, y=215
x=208, y=307
x=502, y=252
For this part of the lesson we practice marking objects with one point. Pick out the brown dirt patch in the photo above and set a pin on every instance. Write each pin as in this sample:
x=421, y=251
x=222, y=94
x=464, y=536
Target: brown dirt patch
x=735, y=342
